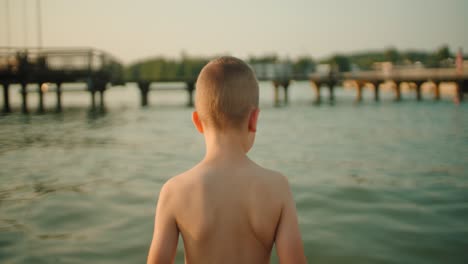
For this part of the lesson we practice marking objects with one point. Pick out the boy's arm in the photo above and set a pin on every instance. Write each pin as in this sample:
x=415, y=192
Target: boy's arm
x=288, y=237
x=166, y=234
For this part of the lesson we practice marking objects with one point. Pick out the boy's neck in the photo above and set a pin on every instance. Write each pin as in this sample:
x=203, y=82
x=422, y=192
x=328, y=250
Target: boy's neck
x=228, y=146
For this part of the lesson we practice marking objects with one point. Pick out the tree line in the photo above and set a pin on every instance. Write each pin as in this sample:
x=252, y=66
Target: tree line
x=188, y=67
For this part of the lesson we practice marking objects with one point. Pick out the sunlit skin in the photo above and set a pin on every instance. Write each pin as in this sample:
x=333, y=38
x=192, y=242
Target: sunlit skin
x=227, y=208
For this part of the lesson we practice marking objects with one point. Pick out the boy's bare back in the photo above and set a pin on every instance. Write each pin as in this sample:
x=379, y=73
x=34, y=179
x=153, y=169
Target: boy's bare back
x=227, y=208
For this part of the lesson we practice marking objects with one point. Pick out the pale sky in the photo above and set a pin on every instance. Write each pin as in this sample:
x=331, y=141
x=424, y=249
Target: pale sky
x=133, y=30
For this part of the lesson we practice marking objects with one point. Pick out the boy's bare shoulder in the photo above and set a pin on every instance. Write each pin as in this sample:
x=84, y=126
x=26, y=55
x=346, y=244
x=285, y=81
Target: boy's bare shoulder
x=273, y=175
x=260, y=178
x=274, y=179
x=179, y=182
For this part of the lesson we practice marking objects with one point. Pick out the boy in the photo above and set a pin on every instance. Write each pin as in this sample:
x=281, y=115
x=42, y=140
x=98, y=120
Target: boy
x=227, y=208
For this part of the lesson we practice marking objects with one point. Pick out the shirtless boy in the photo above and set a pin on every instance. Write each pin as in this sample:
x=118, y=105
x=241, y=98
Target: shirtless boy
x=227, y=208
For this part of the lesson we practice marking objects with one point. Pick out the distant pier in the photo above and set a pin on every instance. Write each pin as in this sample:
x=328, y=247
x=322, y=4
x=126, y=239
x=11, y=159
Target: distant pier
x=100, y=70
x=417, y=77
x=374, y=79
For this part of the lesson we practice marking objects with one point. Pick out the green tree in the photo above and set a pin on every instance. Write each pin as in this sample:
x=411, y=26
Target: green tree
x=304, y=65
x=442, y=53
x=392, y=55
x=365, y=60
x=414, y=56
x=341, y=62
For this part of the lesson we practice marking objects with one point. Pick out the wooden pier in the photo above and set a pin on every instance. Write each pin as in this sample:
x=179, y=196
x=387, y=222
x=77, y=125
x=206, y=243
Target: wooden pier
x=53, y=65
x=418, y=77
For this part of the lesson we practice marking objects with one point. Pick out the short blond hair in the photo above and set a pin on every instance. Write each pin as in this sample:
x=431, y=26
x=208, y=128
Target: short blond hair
x=226, y=93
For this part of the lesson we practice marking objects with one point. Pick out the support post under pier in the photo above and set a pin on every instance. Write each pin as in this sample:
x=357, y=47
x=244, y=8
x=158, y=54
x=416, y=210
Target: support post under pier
x=376, y=91
x=190, y=89
x=6, y=97
x=93, y=99
x=397, y=91
x=59, y=98
x=285, y=89
x=359, y=87
x=40, y=107
x=276, y=93
x=418, y=90
x=437, y=91
x=24, y=95
x=318, y=97
x=461, y=85
x=144, y=90
x=331, y=88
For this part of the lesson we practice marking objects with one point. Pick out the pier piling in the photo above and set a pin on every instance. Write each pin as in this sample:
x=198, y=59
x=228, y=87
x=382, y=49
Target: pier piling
x=190, y=88
x=40, y=108
x=376, y=91
x=24, y=95
x=59, y=98
x=461, y=84
x=144, y=90
x=6, y=97
x=331, y=88
x=397, y=91
x=359, y=87
x=436, y=91
x=285, y=89
x=276, y=93
x=93, y=100
x=318, y=97
x=418, y=90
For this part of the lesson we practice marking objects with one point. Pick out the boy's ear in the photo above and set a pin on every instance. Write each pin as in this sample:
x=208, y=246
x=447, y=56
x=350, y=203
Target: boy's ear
x=197, y=122
x=253, y=118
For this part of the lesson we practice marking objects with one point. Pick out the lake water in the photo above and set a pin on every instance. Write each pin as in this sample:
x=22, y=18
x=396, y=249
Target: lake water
x=374, y=183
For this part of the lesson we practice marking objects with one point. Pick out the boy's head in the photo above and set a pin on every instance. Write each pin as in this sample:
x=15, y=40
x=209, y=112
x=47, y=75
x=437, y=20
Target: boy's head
x=227, y=94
